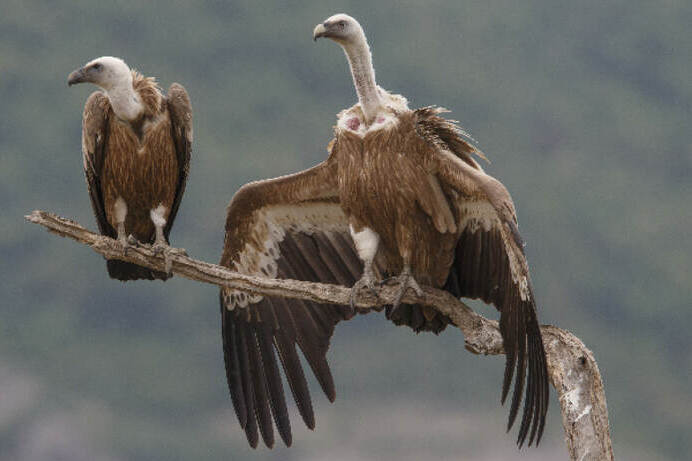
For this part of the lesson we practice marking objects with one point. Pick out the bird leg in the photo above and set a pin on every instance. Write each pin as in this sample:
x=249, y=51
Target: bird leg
x=120, y=213
x=368, y=281
x=366, y=242
x=161, y=248
x=405, y=281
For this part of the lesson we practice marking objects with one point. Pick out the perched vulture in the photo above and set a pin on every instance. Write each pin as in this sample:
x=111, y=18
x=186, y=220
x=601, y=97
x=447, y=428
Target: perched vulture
x=136, y=146
x=399, y=196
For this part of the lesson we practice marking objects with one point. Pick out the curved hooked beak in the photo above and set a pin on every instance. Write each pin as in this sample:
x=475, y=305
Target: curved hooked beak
x=77, y=76
x=319, y=31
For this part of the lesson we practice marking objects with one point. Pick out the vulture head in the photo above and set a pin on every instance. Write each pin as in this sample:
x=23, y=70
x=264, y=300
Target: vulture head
x=106, y=72
x=348, y=33
x=341, y=28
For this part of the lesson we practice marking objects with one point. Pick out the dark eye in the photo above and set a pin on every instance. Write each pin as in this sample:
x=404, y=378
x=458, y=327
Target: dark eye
x=97, y=67
x=342, y=24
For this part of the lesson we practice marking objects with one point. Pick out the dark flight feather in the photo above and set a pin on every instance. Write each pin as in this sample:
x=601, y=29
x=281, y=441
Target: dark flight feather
x=180, y=111
x=302, y=251
x=482, y=269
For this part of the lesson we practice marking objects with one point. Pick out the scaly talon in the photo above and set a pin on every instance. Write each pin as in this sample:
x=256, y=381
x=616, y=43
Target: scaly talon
x=161, y=248
x=405, y=280
x=366, y=281
x=125, y=244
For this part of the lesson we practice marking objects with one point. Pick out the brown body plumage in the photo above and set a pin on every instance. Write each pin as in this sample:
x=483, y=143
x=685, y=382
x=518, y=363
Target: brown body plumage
x=394, y=209
x=400, y=193
x=142, y=163
x=410, y=214
x=145, y=170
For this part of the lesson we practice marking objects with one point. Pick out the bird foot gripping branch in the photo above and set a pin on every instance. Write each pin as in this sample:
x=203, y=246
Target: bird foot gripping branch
x=404, y=282
x=367, y=281
x=127, y=242
x=167, y=252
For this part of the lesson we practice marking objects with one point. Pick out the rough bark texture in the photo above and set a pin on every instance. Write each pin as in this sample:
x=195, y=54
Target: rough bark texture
x=572, y=368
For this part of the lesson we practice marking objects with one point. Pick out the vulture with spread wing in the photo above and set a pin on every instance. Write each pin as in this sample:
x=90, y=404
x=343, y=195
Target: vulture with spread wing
x=136, y=146
x=399, y=196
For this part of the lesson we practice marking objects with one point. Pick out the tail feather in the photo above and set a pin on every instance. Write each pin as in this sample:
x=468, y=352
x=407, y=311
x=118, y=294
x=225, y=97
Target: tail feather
x=124, y=271
x=412, y=316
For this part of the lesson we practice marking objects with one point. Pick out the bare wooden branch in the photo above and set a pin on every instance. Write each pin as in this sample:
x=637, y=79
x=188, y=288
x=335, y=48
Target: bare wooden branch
x=572, y=367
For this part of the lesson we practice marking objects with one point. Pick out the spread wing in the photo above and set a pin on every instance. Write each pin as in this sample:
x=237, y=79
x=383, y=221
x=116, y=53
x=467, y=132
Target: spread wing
x=180, y=112
x=290, y=227
x=490, y=264
x=94, y=138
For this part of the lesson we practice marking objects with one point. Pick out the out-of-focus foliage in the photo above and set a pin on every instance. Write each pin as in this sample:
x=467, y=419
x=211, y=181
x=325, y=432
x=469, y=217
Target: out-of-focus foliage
x=583, y=107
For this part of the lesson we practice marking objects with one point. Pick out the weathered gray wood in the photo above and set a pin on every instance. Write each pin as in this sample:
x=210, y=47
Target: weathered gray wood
x=572, y=367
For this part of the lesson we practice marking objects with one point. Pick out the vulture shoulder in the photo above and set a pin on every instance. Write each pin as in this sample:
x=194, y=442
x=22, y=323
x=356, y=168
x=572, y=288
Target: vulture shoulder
x=490, y=263
x=95, y=120
x=180, y=112
x=290, y=227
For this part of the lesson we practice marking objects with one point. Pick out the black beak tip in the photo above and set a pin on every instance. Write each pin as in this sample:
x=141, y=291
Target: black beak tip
x=75, y=77
x=318, y=32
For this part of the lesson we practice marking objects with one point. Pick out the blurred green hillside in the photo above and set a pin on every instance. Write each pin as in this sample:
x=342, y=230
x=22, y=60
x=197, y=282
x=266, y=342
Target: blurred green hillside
x=584, y=108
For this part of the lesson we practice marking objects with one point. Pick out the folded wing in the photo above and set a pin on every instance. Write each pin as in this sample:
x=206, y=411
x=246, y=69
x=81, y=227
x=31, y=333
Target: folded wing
x=94, y=136
x=180, y=111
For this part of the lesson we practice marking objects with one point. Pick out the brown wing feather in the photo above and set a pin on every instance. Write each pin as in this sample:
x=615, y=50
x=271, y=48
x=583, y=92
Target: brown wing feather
x=446, y=134
x=95, y=120
x=180, y=112
x=490, y=264
x=290, y=228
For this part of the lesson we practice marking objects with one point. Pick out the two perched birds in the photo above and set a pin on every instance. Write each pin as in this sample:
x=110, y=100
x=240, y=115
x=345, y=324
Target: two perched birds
x=400, y=199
